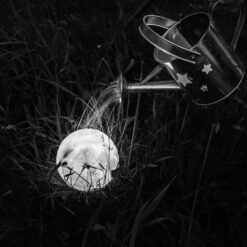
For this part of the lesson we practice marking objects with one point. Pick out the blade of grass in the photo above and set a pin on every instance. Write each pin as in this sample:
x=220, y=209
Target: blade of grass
x=155, y=202
x=155, y=71
x=135, y=122
x=147, y=209
x=198, y=184
x=132, y=15
x=137, y=222
x=92, y=223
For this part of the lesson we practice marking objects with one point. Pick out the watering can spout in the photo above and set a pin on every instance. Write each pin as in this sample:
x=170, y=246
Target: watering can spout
x=151, y=86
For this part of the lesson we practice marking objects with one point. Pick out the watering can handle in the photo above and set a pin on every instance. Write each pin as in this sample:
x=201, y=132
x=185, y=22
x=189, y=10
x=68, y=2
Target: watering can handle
x=162, y=43
x=173, y=50
x=239, y=25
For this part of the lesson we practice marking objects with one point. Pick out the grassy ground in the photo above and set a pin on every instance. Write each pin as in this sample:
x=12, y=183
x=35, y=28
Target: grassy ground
x=183, y=169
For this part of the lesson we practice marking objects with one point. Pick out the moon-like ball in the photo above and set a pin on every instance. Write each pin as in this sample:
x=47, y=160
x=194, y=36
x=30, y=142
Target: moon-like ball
x=85, y=159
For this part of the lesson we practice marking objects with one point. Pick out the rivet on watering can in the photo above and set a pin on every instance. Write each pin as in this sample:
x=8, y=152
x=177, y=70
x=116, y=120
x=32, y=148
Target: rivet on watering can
x=193, y=57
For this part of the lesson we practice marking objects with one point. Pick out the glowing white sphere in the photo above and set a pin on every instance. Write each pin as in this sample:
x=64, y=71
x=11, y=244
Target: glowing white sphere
x=86, y=158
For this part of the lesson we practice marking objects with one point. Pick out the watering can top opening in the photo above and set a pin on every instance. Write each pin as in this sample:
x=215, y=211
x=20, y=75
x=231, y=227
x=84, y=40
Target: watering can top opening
x=196, y=56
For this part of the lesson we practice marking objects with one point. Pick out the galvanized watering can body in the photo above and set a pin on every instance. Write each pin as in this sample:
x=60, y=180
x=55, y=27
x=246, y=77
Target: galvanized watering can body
x=196, y=55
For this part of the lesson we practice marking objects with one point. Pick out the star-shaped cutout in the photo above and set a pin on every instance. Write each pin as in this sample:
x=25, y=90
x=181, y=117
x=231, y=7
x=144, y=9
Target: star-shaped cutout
x=207, y=68
x=204, y=88
x=184, y=79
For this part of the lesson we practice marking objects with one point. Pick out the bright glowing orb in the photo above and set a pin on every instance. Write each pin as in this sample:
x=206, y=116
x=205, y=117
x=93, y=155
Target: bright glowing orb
x=85, y=159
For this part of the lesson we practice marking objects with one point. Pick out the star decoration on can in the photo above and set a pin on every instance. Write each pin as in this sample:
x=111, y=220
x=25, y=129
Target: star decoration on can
x=204, y=88
x=184, y=79
x=207, y=68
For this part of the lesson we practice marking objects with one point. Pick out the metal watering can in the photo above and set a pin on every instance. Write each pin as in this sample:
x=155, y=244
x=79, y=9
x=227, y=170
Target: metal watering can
x=196, y=56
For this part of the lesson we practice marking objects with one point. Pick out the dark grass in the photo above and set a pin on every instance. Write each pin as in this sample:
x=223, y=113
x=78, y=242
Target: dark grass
x=185, y=183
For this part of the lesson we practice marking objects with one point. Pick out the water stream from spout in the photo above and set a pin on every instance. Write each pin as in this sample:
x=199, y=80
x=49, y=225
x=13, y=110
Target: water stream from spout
x=110, y=95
